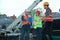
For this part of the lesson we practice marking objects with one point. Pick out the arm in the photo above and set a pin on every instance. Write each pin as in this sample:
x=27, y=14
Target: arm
x=47, y=14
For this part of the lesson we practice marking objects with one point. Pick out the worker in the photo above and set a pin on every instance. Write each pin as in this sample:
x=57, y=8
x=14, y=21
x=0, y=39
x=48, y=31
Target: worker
x=47, y=22
x=38, y=25
x=25, y=26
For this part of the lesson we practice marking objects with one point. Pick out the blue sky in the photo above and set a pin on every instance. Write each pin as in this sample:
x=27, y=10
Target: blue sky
x=11, y=7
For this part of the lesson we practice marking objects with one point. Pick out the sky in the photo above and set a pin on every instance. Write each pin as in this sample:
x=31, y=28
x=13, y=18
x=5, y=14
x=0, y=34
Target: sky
x=17, y=7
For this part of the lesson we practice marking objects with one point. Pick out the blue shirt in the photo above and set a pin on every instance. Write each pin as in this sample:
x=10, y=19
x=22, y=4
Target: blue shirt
x=30, y=19
x=48, y=10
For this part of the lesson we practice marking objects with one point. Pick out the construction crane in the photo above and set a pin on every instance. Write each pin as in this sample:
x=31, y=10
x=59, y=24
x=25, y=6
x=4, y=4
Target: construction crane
x=35, y=3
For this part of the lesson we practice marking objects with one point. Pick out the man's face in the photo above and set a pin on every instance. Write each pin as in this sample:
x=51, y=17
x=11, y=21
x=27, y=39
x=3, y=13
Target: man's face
x=45, y=6
x=37, y=14
x=27, y=13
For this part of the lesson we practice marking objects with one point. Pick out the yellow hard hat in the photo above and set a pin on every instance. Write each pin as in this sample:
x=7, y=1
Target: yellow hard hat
x=46, y=3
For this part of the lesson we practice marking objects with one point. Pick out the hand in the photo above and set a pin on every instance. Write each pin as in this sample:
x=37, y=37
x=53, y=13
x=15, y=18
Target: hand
x=43, y=18
x=35, y=21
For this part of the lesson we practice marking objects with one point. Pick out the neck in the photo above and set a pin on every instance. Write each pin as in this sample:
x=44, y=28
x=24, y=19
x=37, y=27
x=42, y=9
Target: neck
x=47, y=7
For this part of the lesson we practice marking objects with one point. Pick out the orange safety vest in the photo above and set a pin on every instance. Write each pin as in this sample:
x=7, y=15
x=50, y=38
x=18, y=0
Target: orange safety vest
x=25, y=22
x=25, y=17
x=50, y=18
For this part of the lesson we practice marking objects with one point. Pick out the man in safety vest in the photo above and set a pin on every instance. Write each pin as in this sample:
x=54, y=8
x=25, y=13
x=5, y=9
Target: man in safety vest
x=47, y=22
x=38, y=25
x=25, y=26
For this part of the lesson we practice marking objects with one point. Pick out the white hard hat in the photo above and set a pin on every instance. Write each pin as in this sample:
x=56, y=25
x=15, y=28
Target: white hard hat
x=27, y=10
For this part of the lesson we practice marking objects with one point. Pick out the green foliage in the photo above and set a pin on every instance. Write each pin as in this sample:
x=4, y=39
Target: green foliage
x=2, y=15
x=32, y=13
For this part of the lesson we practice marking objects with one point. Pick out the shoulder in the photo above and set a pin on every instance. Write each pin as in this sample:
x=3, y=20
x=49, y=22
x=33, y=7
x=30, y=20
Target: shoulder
x=48, y=9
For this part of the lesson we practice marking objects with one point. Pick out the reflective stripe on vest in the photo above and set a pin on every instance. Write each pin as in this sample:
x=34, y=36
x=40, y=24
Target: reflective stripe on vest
x=25, y=22
x=37, y=25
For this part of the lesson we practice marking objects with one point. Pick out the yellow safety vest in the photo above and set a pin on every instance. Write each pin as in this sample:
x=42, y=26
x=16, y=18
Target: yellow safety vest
x=37, y=22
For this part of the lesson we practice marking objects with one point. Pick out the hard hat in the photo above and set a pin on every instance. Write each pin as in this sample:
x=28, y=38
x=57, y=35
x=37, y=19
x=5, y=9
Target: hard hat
x=46, y=3
x=27, y=10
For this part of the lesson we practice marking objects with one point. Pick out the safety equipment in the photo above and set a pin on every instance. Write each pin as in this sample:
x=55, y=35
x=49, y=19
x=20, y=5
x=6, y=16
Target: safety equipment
x=46, y=3
x=50, y=18
x=25, y=17
x=37, y=25
x=37, y=22
x=27, y=10
x=25, y=22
